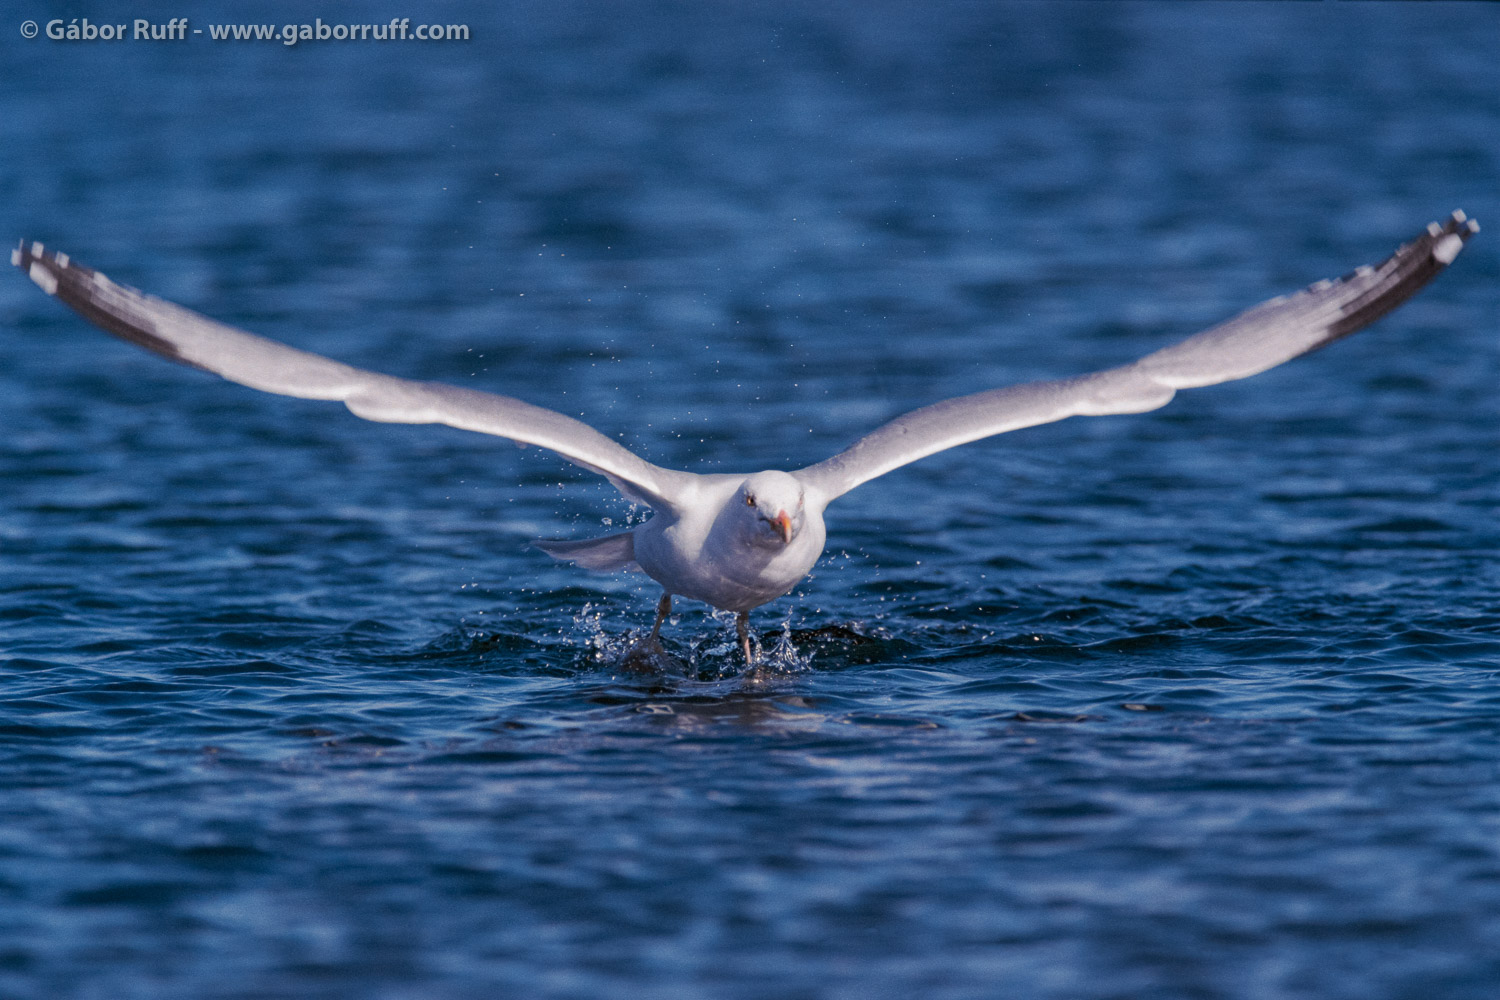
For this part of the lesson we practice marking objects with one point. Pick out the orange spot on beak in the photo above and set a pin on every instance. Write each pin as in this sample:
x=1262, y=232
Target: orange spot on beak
x=783, y=524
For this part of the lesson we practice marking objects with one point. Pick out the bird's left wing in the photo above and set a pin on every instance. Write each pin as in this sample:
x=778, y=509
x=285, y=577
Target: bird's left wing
x=191, y=339
x=1260, y=338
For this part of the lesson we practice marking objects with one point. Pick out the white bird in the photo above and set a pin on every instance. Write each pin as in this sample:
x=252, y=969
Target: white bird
x=738, y=541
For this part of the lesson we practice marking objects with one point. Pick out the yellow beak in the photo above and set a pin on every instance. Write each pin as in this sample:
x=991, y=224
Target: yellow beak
x=783, y=524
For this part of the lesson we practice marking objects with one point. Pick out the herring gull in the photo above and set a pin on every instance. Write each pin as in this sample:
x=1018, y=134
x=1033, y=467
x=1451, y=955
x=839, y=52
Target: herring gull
x=737, y=541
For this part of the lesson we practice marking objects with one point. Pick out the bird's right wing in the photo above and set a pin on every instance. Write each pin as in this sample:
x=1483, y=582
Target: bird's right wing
x=191, y=339
x=1260, y=338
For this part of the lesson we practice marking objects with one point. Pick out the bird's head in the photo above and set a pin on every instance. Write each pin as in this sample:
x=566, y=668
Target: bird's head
x=770, y=505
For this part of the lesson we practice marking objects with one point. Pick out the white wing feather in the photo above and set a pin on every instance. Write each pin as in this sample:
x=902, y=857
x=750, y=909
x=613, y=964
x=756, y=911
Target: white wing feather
x=192, y=339
x=1260, y=338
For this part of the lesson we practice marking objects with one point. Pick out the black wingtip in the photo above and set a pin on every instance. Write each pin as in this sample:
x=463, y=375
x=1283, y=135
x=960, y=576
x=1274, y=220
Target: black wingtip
x=1451, y=236
x=41, y=266
x=111, y=307
x=1404, y=273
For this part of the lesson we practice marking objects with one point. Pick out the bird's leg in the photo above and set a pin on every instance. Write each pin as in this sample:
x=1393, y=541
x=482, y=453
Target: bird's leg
x=663, y=608
x=646, y=655
x=742, y=626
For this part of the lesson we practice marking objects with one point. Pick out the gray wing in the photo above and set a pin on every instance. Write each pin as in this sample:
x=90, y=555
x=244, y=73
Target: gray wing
x=186, y=337
x=1260, y=338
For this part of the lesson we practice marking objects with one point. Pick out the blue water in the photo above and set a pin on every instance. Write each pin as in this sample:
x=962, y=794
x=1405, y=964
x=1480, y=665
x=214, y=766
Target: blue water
x=1199, y=703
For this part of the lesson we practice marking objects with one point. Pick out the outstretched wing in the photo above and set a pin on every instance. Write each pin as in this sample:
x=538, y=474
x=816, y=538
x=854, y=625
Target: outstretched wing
x=186, y=337
x=1261, y=338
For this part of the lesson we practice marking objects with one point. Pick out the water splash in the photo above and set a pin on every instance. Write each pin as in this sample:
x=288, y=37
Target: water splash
x=603, y=648
x=714, y=655
x=784, y=657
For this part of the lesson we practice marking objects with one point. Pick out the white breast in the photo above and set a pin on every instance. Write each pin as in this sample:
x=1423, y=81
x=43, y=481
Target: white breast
x=689, y=560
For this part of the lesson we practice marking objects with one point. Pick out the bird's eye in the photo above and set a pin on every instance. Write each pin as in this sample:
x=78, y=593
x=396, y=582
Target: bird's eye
x=749, y=500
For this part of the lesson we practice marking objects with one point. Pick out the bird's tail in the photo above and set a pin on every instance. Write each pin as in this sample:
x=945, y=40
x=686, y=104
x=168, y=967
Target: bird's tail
x=612, y=552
